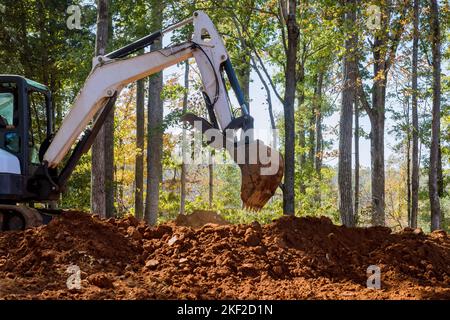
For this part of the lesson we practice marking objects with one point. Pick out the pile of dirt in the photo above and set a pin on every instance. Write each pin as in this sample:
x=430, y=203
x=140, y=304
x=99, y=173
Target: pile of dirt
x=291, y=258
x=199, y=218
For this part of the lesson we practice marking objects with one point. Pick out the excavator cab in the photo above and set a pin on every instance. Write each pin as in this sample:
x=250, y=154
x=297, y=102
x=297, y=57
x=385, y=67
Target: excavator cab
x=26, y=126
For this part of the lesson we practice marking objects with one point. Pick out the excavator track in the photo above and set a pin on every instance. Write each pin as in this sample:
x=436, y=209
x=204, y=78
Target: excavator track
x=15, y=218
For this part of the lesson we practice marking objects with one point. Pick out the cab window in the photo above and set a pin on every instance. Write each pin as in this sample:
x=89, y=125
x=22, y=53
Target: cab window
x=38, y=123
x=6, y=109
x=8, y=105
x=9, y=119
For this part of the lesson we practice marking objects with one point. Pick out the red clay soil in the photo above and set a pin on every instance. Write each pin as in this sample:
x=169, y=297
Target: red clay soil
x=291, y=258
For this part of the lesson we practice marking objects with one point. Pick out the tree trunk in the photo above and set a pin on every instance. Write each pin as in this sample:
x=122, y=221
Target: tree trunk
x=319, y=138
x=433, y=184
x=311, y=125
x=301, y=126
x=408, y=163
x=211, y=180
x=415, y=123
x=440, y=181
x=377, y=121
x=301, y=156
x=154, y=146
x=120, y=191
x=356, y=208
x=384, y=50
x=377, y=163
x=318, y=126
x=289, y=99
x=102, y=171
x=440, y=173
x=183, y=141
x=154, y=132
x=109, y=149
x=345, y=124
x=109, y=164
x=140, y=144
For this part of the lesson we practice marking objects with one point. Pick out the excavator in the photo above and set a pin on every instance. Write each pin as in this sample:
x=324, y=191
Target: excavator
x=36, y=161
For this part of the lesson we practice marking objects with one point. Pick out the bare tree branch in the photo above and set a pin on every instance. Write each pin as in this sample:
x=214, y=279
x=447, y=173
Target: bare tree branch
x=272, y=84
x=250, y=43
x=362, y=95
x=269, y=97
x=397, y=33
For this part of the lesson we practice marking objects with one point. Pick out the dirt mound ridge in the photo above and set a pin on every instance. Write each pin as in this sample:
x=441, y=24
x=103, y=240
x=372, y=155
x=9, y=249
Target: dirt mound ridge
x=291, y=258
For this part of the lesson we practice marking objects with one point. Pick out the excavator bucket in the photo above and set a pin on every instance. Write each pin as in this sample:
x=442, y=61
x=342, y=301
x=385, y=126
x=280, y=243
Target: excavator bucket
x=262, y=172
x=262, y=167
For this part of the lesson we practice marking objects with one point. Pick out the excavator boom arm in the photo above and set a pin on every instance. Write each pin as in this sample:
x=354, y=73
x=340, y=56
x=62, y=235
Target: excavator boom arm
x=111, y=73
x=107, y=79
